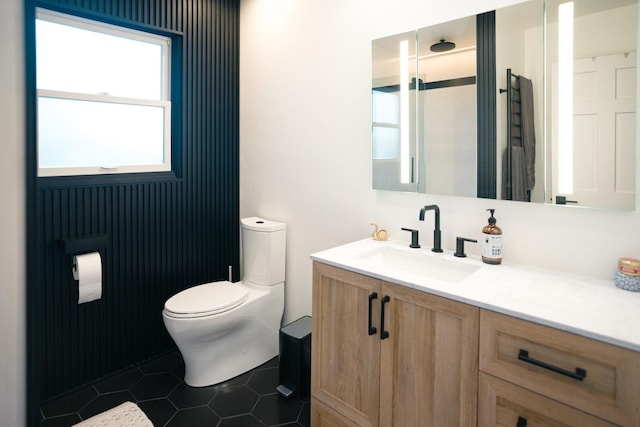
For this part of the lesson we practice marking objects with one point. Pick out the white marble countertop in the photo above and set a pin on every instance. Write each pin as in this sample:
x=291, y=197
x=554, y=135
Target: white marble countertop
x=590, y=307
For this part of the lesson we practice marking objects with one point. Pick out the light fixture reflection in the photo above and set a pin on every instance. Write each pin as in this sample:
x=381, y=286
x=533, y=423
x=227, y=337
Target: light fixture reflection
x=404, y=113
x=565, y=99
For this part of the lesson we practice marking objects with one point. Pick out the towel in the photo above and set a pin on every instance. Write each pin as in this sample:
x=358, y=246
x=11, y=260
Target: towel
x=528, y=132
x=128, y=414
x=518, y=175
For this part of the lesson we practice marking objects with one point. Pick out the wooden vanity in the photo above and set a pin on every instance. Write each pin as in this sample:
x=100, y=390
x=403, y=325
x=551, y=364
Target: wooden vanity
x=386, y=354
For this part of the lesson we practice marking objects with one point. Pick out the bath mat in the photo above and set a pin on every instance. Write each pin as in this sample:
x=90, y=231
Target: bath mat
x=128, y=414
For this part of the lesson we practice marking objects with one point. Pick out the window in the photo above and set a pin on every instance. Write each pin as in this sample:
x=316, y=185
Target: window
x=386, y=125
x=104, y=103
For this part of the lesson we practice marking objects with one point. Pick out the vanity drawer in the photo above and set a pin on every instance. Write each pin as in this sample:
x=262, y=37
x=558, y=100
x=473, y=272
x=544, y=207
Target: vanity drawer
x=506, y=405
x=589, y=375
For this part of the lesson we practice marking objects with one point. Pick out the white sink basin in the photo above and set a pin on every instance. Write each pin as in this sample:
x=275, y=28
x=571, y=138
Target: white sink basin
x=424, y=264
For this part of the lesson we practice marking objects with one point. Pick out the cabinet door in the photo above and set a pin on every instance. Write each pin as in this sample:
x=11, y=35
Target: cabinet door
x=345, y=373
x=502, y=404
x=323, y=416
x=429, y=362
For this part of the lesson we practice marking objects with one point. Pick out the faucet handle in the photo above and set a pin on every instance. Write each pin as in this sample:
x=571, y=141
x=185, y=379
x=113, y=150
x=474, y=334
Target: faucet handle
x=414, y=238
x=460, y=246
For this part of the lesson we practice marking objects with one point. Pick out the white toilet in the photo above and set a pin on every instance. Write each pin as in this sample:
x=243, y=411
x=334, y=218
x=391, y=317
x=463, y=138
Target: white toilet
x=224, y=329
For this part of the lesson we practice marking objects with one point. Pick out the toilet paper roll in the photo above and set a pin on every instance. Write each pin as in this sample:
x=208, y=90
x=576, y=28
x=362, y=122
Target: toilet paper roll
x=87, y=270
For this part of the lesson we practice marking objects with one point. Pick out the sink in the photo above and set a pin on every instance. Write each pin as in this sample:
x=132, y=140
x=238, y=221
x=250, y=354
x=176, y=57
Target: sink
x=424, y=264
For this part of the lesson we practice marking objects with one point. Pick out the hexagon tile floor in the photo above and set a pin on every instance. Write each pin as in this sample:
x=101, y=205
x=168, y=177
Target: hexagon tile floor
x=158, y=389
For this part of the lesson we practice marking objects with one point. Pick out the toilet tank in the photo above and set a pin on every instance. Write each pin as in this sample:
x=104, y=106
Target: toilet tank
x=263, y=251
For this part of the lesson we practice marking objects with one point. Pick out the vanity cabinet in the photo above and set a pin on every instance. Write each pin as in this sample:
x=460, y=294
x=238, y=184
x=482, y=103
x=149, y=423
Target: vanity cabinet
x=388, y=355
x=533, y=375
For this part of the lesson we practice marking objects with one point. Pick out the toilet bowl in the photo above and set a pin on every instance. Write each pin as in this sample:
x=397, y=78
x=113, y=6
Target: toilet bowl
x=224, y=329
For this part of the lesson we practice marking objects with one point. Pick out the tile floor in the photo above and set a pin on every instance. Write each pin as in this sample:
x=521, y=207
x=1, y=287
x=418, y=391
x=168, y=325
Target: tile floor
x=158, y=388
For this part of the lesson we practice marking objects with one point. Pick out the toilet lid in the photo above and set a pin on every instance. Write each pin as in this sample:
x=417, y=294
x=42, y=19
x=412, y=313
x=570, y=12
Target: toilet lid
x=207, y=299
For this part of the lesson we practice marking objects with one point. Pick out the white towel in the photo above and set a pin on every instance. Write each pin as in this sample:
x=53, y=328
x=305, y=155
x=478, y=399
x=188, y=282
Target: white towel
x=128, y=414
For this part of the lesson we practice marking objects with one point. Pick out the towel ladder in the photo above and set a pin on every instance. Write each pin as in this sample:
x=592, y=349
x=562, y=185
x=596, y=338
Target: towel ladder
x=514, y=126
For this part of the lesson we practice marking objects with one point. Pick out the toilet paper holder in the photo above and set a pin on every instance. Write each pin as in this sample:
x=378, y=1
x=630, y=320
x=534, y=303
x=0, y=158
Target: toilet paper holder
x=84, y=244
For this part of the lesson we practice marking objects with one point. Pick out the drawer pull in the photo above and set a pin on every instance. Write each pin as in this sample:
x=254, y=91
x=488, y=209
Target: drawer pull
x=372, y=329
x=383, y=334
x=522, y=422
x=579, y=374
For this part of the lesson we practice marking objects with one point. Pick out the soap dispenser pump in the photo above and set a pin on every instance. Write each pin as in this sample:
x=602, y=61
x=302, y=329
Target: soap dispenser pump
x=491, y=241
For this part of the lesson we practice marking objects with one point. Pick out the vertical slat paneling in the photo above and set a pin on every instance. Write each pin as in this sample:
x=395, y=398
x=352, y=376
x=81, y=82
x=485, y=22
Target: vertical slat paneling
x=163, y=236
x=486, y=86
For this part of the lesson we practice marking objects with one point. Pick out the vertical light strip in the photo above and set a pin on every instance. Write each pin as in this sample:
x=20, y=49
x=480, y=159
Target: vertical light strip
x=404, y=113
x=565, y=98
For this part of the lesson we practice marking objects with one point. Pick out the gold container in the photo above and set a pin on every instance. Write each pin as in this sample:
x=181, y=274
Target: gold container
x=629, y=266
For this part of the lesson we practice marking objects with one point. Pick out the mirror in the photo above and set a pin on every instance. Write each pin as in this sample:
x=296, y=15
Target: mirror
x=394, y=150
x=481, y=119
x=591, y=59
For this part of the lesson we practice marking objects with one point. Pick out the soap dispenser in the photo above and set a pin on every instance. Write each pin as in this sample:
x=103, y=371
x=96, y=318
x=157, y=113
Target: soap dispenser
x=491, y=241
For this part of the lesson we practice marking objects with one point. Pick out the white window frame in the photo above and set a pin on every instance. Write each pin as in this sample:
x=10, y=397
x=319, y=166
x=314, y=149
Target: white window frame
x=164, y=103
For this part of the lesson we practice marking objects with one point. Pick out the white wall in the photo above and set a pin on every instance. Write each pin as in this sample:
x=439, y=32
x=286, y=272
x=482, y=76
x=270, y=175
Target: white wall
x=12, y=217
x=305, y=146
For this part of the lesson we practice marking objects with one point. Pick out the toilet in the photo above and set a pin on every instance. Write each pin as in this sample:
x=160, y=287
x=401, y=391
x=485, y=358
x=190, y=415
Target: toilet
x=224, y=329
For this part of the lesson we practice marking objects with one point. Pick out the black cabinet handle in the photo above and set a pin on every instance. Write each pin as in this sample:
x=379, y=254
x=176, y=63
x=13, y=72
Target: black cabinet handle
x=562, y=200
x=383, y=334
x=522, y=422
x=372, y=329
x=579, y=374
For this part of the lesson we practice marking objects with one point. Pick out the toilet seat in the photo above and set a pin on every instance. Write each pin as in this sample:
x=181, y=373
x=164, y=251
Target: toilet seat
x=206, y=300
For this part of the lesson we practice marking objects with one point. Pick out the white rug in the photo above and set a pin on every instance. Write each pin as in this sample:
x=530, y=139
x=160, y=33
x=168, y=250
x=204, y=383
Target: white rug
x=128, y=414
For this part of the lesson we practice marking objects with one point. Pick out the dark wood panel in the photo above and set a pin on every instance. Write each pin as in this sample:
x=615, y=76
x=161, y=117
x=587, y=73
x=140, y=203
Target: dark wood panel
x=486, y=86
x=163, y=235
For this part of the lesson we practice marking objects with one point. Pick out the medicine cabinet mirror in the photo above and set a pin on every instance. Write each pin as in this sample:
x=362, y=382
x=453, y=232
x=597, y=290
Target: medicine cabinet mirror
x=483, y=107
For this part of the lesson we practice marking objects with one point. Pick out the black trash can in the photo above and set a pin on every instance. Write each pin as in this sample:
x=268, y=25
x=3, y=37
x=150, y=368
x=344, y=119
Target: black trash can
x=295, y=358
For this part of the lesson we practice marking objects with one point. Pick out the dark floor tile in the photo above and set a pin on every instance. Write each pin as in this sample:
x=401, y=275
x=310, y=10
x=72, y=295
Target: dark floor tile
x=194, y=417
x=158, y=411
x=241, y=379
x=178, y=371
x=273, y=363
x=160, y=392
x=185, y=396
x=305, y=415
x=166, y=363
x=234, y=401
x=273, y=410
x=264, y=381
x=105, y=402
x=241, y=421
x=62, y=421
x=154, y=386
x=119, y=382
x=70, y=403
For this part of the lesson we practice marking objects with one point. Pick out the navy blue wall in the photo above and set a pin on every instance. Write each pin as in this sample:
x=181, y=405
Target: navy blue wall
x=164, y=234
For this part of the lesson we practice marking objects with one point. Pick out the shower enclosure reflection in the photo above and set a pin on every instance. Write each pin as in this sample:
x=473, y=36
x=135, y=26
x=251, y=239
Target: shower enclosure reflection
x=439, y=107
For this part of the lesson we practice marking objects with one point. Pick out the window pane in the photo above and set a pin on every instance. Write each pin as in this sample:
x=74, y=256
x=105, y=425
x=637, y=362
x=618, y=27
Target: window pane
x=75, y=133
x=72, y=59
x=386, y=143
x=386, y=107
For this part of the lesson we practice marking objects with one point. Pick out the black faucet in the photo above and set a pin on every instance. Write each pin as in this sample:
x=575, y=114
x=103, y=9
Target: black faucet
x=436, y=231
